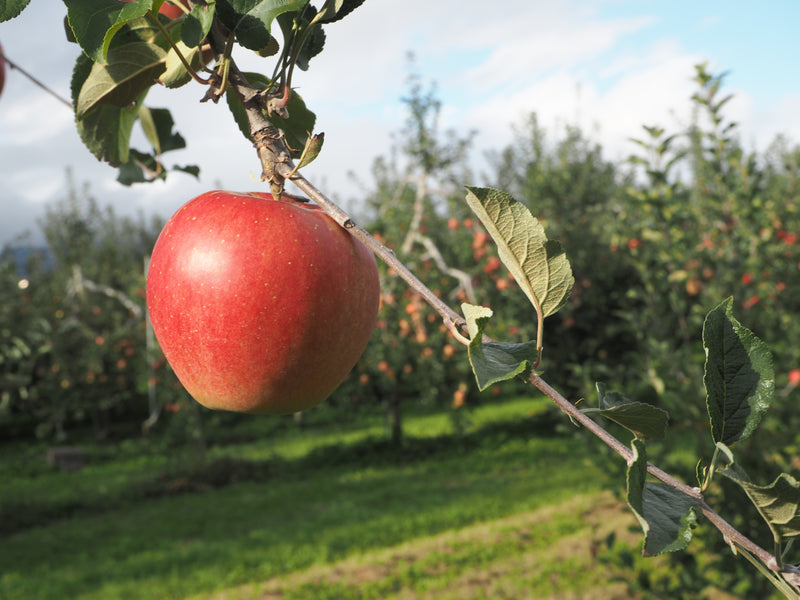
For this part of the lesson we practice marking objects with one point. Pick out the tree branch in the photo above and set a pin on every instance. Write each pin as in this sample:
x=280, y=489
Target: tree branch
x=78, y=283
x=415, y=236
x=730, y=534
x=464, y=278
x=277, y=167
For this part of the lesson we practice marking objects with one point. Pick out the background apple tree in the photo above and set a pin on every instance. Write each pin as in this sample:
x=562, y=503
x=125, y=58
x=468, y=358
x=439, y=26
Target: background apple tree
x=654, y=247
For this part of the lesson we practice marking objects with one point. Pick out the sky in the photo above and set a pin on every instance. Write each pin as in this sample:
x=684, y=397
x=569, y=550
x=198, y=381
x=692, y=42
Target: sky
x=607, y=66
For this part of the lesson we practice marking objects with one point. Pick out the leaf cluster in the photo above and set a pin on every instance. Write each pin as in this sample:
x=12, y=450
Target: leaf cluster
x=128, y=47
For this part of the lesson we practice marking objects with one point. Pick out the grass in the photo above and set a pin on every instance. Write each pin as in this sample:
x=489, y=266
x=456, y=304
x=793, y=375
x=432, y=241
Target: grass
x=116, y=475
x=536, y=554
x=513, y=508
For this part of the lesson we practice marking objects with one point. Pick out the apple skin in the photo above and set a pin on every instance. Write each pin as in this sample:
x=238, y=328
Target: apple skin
x=260, y=305
x=169, y=10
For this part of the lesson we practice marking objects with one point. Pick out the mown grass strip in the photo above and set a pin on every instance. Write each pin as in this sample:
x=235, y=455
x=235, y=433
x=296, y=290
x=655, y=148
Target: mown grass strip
x=548, y=552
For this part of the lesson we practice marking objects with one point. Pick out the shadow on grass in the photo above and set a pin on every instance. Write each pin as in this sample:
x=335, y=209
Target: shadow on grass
x=198, y=477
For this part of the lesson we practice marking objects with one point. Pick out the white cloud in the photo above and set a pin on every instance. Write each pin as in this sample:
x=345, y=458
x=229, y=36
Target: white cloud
x=527, y=56
x=761, y=125
x=36, y=184
x=34, y=120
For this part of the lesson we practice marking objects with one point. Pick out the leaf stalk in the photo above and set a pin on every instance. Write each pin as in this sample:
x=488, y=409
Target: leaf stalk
x=153, y=17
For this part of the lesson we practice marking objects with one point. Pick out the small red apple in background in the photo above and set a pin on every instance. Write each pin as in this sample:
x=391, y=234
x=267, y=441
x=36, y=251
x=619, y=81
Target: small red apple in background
x=169, y=10
x=260, y=305
x=172, y=11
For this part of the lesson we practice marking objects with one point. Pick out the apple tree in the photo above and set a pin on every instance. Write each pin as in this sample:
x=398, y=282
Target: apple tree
x=127, y=47
x=75, y=322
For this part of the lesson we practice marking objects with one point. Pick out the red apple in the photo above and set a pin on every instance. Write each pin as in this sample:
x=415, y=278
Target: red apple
x=794, y=377
x=169, y=10
x=260, y=305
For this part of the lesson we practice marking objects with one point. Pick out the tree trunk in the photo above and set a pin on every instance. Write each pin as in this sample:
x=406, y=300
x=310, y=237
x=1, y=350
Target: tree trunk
x=394, y=416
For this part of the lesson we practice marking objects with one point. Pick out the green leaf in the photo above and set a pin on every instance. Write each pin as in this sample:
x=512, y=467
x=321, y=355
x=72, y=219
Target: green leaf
x=251, y=20
x=131, y=69
x=342, y=9
x=157, y=124
x=11, y=8
x=175, y=74
x=739, y=377
x=666, y=515
x=643, y=420
x=106, y=132
x=140, y=30
x=198, y=24
x=493, y=362
x=294, y=24
x=778, y=503
x=140, y=168
x=539, y=266
x=314, y=45
x=312, y=149
x=80, y=72
x=296, y=128
x=95, y=22
x=144, y=168
x=192, y=170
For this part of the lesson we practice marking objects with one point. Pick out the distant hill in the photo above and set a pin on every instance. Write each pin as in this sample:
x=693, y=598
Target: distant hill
x=24, y=256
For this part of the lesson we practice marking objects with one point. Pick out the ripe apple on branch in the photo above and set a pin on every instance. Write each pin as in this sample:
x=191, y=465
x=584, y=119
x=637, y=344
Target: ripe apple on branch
x=260, y=305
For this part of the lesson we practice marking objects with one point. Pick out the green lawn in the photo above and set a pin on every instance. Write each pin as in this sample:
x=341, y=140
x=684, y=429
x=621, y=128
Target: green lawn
x=324, y=511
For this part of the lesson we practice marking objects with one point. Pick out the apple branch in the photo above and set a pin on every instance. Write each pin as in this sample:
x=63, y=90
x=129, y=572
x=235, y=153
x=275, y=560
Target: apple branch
x=730, y=534
x=277, y=167
x=267, y=139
